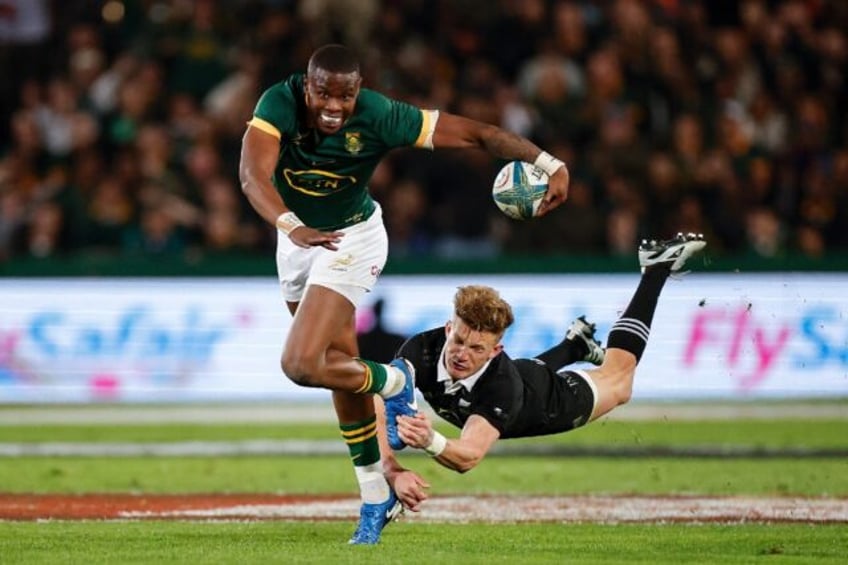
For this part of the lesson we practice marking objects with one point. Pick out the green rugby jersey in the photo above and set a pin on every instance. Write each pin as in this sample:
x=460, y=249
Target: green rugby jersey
x=324, y=179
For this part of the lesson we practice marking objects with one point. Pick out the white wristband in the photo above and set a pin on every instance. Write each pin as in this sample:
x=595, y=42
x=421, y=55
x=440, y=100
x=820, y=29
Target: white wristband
x=437, y=445
x=548, y=163
x=288, y=221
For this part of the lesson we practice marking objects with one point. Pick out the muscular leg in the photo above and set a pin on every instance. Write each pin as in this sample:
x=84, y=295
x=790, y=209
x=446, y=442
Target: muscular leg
x=626, y=342
x=322, y=318
x=321, y=344
x=613, y=381
x=321, y=350
x=358, y=424
x=332, y=325
x=350, y=407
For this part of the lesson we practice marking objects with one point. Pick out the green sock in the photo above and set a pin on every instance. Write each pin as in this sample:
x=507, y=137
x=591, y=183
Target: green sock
x=361, y=439
x=375, y=376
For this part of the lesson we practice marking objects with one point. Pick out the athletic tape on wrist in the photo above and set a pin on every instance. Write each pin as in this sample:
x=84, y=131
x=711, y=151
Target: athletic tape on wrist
x=548, y=163
x=287, y=221
x=437, y=445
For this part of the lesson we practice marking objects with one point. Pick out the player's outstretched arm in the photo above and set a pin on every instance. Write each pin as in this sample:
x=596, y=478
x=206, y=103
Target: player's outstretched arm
x=408, y=485
x=462, y=454
x=454, y=131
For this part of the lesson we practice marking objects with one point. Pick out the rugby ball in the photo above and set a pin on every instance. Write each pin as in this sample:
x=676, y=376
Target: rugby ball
x=519, y=188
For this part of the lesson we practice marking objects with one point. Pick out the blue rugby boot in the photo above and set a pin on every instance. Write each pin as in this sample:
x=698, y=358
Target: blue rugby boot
x=373, y=518
x=400, y=404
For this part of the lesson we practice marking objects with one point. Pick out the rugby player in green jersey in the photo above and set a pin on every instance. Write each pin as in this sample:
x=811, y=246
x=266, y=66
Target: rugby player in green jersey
x=307, y=156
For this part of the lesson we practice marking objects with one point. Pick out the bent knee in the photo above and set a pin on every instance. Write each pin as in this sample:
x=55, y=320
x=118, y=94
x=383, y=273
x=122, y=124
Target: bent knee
x=615, y=387
x=300, y=369
x=623, y=387
x=624, y=392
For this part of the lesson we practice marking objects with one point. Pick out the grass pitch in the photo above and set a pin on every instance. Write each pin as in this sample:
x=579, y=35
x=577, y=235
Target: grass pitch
x=405, y=542
x=299, y=542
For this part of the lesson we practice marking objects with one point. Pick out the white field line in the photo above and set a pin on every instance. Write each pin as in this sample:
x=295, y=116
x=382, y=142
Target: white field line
x=11, y=415
x=561, y=509
x=262, y=447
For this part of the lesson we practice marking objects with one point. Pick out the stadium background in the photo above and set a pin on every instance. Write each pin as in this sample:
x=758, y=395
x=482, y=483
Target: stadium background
x=121, y=125
x=126, y=249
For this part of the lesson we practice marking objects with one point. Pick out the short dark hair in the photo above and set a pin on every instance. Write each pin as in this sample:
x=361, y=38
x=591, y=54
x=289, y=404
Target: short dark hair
x=334, y=58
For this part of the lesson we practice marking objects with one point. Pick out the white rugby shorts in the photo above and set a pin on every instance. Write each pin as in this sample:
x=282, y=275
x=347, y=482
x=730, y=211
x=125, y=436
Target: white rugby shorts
x=352, y=270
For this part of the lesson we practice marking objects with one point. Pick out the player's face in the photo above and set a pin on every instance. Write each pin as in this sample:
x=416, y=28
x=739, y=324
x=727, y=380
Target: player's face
x=467, y=350
x=330, y=98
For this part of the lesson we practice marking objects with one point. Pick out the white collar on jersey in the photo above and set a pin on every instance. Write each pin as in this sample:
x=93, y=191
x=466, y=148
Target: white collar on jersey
x=452, y=386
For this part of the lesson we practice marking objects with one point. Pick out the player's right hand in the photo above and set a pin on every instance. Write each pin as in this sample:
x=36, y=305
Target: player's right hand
x=410, y=488
x=415, y=431
x=305, y=236
x=557, y=191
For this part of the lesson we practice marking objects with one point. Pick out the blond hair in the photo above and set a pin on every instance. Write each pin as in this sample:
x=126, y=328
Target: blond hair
x=483, y=309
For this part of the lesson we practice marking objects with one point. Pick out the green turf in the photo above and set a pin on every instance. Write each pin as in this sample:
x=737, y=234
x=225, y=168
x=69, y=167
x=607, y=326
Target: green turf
x=607, y=433
x=148, y=433
x=57, y=543
x=333, y=474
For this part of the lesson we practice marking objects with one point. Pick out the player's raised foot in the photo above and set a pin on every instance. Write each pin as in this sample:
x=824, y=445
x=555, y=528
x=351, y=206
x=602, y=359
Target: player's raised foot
x=583, y=331
x=373, y=518
x=674, y=252
x=400, y=404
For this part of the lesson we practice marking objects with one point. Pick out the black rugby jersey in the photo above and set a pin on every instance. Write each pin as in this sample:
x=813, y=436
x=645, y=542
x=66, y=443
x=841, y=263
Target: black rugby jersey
x=519, y=397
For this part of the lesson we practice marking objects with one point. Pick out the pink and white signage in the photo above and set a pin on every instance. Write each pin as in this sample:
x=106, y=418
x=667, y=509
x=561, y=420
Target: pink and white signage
x=714, y=336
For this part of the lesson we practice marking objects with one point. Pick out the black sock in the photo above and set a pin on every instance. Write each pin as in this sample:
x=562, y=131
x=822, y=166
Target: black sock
x=564, y=353
x=632, y=329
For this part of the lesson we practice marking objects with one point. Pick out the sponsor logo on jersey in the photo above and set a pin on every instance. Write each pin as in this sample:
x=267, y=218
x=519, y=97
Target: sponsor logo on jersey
x=316, y=182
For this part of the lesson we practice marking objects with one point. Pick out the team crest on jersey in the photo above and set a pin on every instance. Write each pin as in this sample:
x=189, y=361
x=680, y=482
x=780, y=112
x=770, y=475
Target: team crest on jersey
x=353, y=142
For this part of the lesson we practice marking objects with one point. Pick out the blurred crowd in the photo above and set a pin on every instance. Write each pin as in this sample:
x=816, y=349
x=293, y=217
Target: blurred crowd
x=121, y=120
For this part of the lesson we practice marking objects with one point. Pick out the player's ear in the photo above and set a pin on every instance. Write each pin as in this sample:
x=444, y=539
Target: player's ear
x=496, y=351
x=448, y=327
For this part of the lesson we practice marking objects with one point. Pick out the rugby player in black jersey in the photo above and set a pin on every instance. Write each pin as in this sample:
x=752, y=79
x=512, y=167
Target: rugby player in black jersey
x=463, y=373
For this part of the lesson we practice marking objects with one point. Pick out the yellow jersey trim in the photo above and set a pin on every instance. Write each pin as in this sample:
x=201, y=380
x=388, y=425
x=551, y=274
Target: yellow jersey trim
x=268, y=128
x=425, y=137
